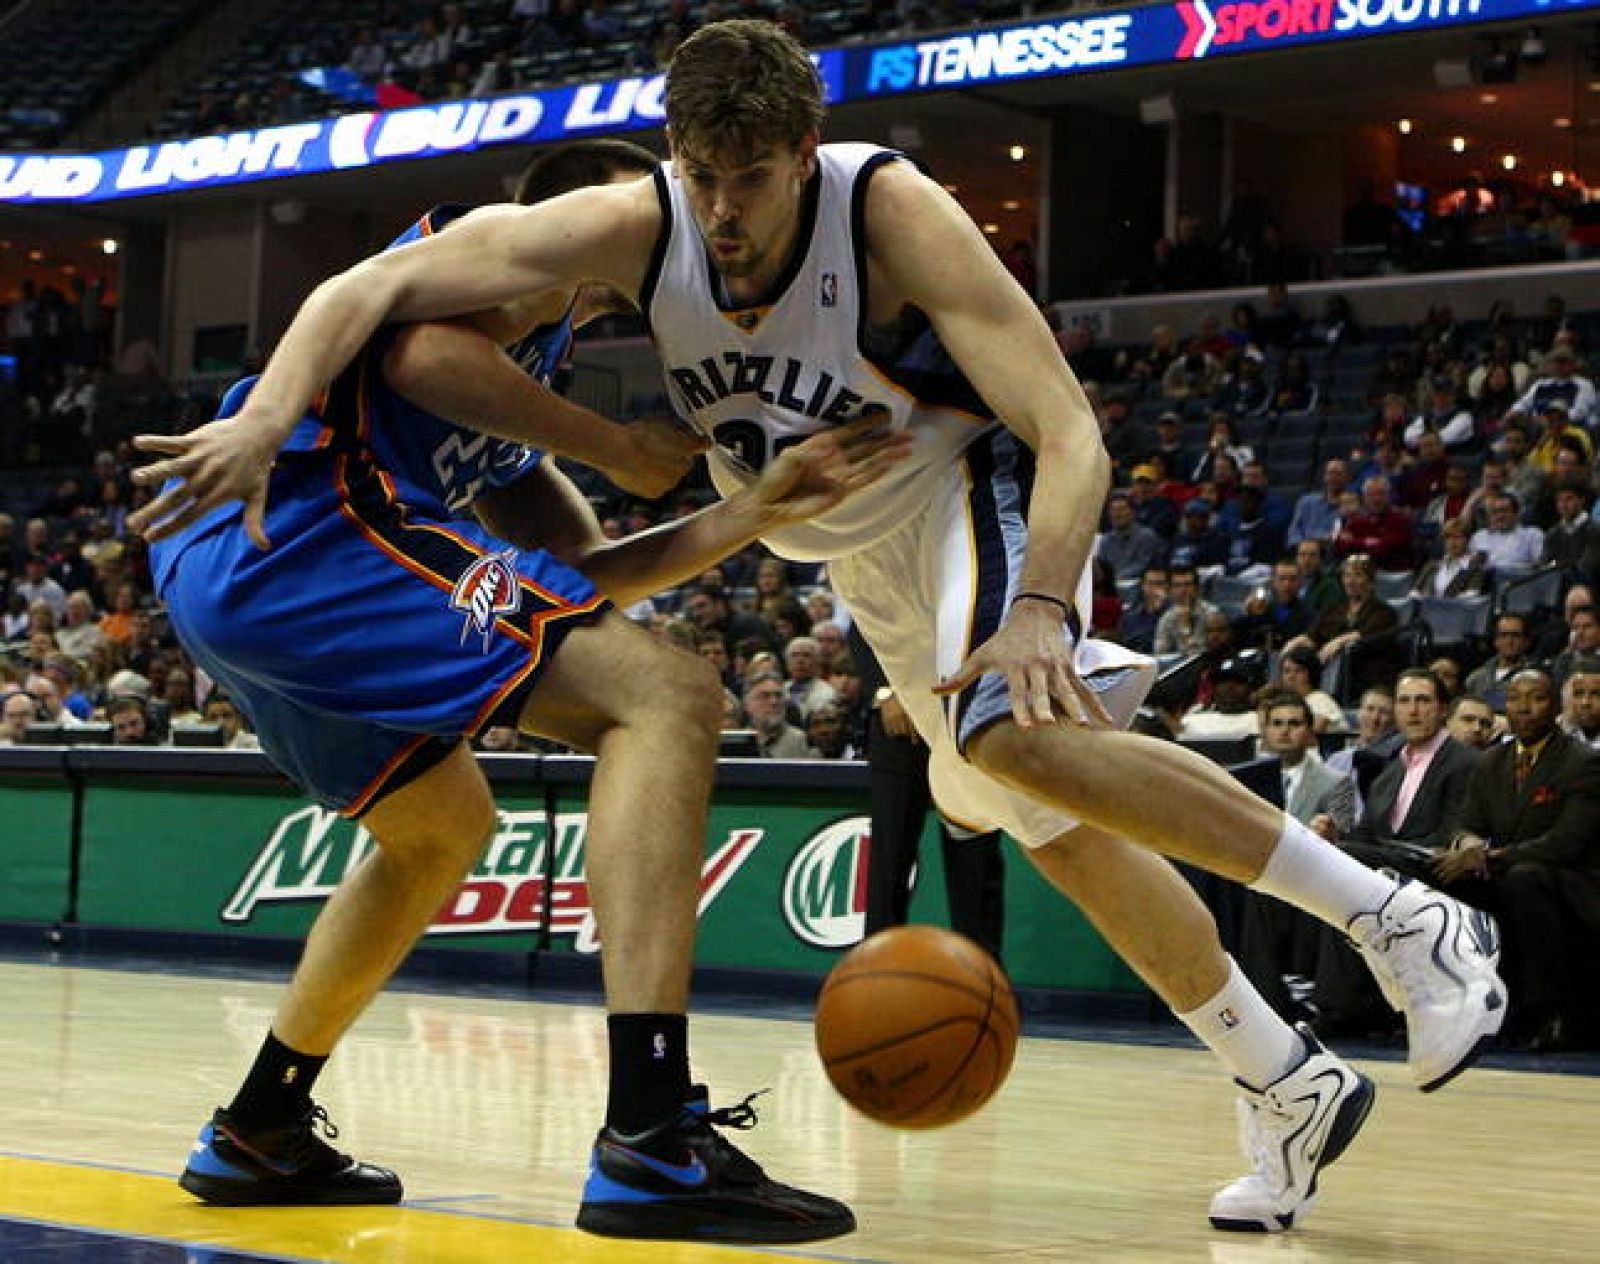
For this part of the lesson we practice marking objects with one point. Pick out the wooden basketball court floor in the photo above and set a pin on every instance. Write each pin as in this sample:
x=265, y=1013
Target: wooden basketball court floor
x=1094, y=1151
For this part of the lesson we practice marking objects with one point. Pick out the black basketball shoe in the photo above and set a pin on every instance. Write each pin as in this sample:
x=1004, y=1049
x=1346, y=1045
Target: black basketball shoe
x=683, y=1180
x=286, y=1166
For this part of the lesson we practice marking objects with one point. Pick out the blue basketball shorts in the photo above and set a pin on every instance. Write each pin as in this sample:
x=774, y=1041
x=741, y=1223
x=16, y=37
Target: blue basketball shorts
x=371, y=638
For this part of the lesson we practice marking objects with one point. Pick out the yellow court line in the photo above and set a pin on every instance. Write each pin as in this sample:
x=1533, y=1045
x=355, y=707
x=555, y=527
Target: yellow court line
x=154, y=1207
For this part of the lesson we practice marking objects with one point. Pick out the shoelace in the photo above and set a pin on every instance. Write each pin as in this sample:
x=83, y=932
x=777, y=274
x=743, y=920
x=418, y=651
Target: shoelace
x=318, y=1118
x=741, y=1117
x=1265, y=1160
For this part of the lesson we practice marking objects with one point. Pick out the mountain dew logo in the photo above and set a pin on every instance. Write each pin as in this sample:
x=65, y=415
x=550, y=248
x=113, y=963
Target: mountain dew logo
x=312, y=849
x=825, y=886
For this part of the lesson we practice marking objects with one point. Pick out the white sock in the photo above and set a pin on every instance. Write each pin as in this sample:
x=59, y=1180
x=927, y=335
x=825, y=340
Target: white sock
x=1309, y=872
x=1244, y=1031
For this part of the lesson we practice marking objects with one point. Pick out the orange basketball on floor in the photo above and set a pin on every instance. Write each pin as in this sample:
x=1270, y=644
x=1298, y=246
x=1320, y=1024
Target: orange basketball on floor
x=917, y=1027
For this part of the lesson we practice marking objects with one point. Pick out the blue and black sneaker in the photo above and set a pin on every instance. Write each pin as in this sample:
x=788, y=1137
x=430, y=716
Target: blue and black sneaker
x=289, y=1165
x=683, y=1180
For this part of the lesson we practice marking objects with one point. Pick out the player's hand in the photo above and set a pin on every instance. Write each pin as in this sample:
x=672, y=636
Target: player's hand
x=1032, y=653
x=217, y=464
x=812, y=477
x=659, y=453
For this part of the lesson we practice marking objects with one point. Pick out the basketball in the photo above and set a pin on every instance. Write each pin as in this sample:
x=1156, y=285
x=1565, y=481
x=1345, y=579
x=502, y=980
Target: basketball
x=917, y=1027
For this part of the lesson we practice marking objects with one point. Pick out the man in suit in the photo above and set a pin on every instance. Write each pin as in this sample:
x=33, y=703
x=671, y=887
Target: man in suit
x=1276, y=939
x=1529, y=850
x=1512, y=641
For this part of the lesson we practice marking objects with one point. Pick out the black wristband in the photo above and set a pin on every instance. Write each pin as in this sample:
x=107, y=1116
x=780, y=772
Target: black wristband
x=1066, y=610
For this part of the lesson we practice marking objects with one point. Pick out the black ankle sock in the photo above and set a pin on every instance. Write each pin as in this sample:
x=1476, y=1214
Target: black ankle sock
x=649, y=1069
x=278, y=1088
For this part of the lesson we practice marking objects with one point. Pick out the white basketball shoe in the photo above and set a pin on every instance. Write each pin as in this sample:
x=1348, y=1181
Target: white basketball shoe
x=1435, y=960
x=1290, y=1131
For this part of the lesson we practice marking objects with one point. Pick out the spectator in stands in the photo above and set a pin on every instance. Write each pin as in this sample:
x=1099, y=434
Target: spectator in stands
x=14, y=622
x=1319, y=586
x=1316, y=512
x=1472, y=721
x=1559, y=431
x=807, y=689
x=130, y=721
x=1295, y=394
x=1222, y=440
x=1424, y=476
x=119, y=623
x=1360, y=616
x=1450, y=502
x=1128, y=547
x=1231, y=711
x=1277, y=612
x=1512, y=643
x=1137, y=627
x=1195, y=375
x=828, y=733
x=1529, y=850
x=1151, y=508
x=36, y=585
x=1198, y=543
x=766, y=704
x=707, y=608
x=1246, y=391
x=1573, y=540
x=1379, y=531
x=1561, y=382
x=1254, y=541
x=1493, y=395
x=1337, y=327
x=1446, y=416
x=1277, y=940
x=1450, y=675
x=1458, y=573
x=1190, y=262
x=177, y=692
x=1580, y=705
x=1299, y=671
x=1505, y=543
x=1182, y=629
x=1583, y=644
x=600, y=25
x=17, y=711
x=368, y=57
x=62, y=671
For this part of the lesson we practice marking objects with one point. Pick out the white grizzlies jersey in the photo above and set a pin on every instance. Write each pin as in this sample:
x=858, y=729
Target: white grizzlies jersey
x=761, y=378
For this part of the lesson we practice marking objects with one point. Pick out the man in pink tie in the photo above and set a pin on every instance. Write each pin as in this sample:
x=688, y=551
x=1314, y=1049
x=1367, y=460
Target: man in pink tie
x=1413, y=811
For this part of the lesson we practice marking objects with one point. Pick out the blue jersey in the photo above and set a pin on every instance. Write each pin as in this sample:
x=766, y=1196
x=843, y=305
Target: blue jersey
x=385, y=624
x=438, y=467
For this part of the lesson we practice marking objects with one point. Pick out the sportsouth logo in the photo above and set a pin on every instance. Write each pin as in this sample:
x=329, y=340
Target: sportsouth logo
x=486, y=590
x=825, y=886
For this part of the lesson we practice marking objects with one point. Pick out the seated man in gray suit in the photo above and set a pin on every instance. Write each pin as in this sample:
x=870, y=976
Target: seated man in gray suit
x=1529, y=849
x=1413, y=811
x=1277, y=940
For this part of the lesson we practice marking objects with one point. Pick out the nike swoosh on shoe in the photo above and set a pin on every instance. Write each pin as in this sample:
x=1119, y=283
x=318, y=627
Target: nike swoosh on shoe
x=691, y=1175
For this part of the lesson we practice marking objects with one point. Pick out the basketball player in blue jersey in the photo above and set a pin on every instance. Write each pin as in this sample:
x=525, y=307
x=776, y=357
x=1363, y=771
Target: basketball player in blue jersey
x=385, y=625
x=789, y=284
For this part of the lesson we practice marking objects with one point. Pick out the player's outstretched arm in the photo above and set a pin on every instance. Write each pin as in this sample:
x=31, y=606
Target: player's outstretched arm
x=452, y=370
x=923, y=245
x=544, y=510
x=491, y=257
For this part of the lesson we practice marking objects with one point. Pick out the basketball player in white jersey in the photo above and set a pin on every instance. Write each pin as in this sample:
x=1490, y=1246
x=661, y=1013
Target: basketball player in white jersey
x=788, y=286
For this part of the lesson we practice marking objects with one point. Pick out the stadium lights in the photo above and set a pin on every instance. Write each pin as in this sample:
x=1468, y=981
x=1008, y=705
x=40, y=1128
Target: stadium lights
x=1018, y=153
x=1561, y=121
x=1489, y=98
x=1459, y=144
x=1509, y=162
x=1404, y=127
x=109, y=246
x=1532, y=50
x=1558, y=178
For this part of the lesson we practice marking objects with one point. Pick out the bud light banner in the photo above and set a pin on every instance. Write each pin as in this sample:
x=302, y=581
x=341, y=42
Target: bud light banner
x=1085, y=42
x=782, y=880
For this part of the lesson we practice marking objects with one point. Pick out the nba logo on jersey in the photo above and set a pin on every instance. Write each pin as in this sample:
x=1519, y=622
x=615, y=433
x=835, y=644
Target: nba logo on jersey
x=830, y=289
x=486, y=589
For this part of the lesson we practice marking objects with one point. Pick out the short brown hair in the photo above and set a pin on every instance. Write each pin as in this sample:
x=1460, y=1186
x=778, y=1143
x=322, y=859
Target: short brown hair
x=736, y=87
x=579, y=165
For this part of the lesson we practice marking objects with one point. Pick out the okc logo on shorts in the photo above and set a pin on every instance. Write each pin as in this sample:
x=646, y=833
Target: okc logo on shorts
x=487, y=589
